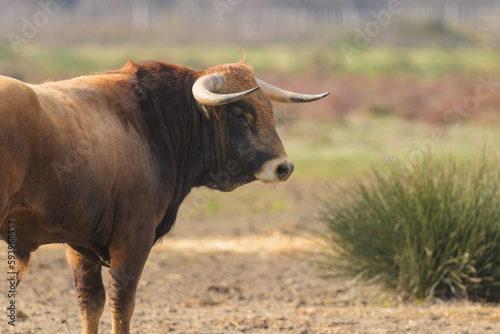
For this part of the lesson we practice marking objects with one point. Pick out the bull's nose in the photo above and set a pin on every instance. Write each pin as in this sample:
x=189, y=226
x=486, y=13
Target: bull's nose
x=275, y=170
x=284, y=171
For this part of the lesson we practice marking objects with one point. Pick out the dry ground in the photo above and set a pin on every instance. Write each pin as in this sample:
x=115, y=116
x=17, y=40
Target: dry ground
x=227, y=270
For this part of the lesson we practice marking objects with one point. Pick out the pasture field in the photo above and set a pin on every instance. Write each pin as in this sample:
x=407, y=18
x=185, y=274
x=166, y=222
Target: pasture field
x=332, y=150
x=35, y=63
x=246, y=261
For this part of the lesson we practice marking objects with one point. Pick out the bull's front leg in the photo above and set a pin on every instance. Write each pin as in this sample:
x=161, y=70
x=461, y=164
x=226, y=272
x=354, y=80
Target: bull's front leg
x=128, y=255
x=90, y=290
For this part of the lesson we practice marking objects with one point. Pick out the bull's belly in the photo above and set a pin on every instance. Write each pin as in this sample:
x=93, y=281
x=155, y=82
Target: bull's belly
x=60, y=223
x=22, y=229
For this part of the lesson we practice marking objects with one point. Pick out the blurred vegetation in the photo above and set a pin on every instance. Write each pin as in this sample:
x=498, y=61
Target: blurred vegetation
x=423, y=23
x=37, y=62
x=344, y=150
x=428, y=229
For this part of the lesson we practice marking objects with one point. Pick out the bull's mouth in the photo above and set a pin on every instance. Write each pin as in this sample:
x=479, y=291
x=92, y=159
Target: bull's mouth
x=275, y=170
x=272, y=171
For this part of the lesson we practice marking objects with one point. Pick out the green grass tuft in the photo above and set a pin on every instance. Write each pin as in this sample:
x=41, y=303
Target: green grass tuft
x=430, y=229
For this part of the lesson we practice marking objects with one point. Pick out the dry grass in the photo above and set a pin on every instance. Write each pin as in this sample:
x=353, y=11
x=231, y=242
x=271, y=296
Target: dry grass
x=276, y=243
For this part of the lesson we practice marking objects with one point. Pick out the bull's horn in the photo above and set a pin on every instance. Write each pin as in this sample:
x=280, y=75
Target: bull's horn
x=205, y=87
x=281, y=95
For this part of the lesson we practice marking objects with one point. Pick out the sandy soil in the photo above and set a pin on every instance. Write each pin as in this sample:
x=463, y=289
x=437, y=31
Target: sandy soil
x=239, y=278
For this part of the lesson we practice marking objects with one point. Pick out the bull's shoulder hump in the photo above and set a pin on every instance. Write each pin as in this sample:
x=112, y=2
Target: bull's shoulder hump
x=16, y=95
x=13, y=86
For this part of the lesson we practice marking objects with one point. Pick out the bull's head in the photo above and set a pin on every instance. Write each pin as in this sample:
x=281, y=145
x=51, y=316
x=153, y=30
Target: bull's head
x=229, y=95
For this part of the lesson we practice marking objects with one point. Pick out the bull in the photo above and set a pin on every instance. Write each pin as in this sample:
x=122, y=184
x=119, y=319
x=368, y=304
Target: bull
x=102, y=164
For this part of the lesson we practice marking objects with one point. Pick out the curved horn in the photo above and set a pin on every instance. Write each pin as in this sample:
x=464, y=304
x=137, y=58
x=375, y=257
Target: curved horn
x=284, y=96
x=204, y=88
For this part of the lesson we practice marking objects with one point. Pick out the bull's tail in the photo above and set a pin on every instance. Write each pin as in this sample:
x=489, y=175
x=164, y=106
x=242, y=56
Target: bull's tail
x=19, y=230
x=22, y=264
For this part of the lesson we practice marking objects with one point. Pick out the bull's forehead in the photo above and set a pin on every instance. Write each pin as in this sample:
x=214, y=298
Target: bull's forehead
x=239, y=77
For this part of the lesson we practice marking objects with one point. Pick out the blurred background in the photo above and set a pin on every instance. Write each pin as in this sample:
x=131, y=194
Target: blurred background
x=407, y=78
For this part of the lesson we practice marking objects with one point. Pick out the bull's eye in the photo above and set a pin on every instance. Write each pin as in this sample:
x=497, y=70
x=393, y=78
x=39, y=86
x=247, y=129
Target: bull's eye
x=237, y=114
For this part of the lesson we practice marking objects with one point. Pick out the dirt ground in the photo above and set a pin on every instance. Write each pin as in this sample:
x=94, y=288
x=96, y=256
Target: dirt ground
x=227, y=271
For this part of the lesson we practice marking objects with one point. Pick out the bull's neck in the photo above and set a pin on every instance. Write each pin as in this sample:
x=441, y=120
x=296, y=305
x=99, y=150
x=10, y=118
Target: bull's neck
x=174, y=127
x=180, y=135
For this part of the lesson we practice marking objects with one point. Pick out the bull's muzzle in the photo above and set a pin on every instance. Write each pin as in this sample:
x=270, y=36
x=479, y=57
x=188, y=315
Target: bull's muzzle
x=276, y=170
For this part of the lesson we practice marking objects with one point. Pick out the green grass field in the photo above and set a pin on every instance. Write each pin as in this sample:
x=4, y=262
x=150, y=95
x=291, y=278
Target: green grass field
x=37, y=63
x=345, y=150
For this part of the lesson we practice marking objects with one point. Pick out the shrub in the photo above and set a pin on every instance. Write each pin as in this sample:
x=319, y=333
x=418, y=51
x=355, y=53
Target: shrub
x=430, y=229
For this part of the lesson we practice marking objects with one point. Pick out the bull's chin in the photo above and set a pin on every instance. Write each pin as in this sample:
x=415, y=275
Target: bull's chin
x=233, y=184
x=268, y=181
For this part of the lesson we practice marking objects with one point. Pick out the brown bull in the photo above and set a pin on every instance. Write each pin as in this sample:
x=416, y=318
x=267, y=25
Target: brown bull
x=103, y=162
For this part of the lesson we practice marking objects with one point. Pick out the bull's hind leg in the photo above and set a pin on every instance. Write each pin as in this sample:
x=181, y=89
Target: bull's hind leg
x=89, y=288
